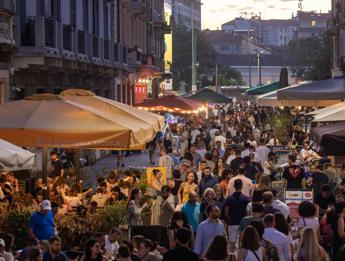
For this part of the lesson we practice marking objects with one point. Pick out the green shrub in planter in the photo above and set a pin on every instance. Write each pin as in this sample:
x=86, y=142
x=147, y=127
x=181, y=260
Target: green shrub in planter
x=16, y=223
x=111, y=216
x=75, y=230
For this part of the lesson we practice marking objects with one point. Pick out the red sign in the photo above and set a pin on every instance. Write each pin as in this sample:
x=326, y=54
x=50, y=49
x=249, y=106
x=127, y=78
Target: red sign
x=140, y=92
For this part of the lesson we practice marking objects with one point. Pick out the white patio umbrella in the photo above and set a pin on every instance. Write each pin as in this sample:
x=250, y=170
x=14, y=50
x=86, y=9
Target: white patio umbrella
x=14, y=158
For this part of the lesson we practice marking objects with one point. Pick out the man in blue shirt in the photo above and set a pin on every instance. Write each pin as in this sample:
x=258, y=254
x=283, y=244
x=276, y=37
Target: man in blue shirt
x=41, y=223
x=192, y=211
x=208, y=229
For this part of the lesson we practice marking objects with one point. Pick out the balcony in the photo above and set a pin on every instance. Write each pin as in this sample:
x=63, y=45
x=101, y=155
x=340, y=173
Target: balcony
x=67, y=37
x=81, y=42
x=6, y=36
x=137, y=7
x=49, y=28
x=28, y=32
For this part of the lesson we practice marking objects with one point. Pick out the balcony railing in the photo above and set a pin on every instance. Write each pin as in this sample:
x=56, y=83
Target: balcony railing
x=49, y=32
x=95, y=49
x=81, y=42
x=106, y=49
x=116, y=52
x=67, y=37
x=28, y=31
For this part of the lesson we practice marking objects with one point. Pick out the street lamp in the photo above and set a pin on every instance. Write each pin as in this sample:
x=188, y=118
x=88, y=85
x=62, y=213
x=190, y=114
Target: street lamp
x=259, y=53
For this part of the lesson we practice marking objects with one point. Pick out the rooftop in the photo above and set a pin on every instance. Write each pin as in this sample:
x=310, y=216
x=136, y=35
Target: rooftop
x=214, y=36
x=233, y=60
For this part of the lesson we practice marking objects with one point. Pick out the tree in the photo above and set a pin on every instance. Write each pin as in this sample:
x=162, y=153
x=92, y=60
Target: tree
x=312, y=57
x=226, y=76
x=206, y=59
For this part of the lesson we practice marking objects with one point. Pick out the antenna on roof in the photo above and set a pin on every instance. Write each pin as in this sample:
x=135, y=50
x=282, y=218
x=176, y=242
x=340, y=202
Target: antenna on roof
x=300, y=5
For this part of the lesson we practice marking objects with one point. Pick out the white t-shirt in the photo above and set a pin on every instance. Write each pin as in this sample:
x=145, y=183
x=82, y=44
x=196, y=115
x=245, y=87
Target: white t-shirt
x=222, y=141
x=193, y=135
x=112, y=248
x=311, y=222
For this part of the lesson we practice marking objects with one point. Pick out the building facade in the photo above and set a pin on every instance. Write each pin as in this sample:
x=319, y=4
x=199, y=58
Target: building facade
x=7, y=47
x=183, y=11
x=336, y=27
x=311, y=24
x=114, y=48
x=278, y=32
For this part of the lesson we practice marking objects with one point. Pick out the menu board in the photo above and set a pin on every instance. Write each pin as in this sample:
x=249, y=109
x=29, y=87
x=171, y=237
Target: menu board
x=293, y=198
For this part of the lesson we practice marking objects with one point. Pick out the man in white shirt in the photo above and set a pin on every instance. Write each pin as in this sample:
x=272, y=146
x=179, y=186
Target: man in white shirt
x=281, y=206
x=262, y=152
x=195, y=132
x=112, y=242
x=213, y=132
x=167, y=162
x=247, y=184
x=221, y=139
x=277, y=238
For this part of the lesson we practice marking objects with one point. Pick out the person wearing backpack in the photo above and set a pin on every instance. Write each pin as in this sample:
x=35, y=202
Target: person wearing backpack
x=338, y=227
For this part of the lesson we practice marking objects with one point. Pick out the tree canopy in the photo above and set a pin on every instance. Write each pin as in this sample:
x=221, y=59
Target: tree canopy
x=206, y=60
x=312, y=57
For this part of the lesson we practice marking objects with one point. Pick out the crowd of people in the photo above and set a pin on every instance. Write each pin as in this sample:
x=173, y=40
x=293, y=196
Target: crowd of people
x=218, y=203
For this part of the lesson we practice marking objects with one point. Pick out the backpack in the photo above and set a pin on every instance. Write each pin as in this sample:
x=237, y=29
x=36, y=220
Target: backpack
x=326, y=232
x=327, y=235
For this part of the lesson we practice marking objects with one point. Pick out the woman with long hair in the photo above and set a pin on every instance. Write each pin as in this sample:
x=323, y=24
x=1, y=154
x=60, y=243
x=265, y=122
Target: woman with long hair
x=133, y=208
x=200, y=145
x=215, y=155
x=283, y=227
x=263, y=185
x=250, y=250
x=178, y=220
x=92, y=251
x=338, y=227
x=188, y=186
x=218, y=169
x=309, y=248
x=184, y=140
x=218, y=250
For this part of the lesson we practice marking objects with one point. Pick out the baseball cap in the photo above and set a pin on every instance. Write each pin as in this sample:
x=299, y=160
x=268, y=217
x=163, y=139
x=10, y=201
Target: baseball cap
x=2, y=242
x=46, y=205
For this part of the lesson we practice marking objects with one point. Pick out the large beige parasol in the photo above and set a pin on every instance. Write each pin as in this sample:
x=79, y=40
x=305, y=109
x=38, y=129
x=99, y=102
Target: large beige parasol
x=76, y=119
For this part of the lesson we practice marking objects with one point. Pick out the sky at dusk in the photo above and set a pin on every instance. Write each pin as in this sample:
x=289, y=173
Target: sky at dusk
x=217, y=12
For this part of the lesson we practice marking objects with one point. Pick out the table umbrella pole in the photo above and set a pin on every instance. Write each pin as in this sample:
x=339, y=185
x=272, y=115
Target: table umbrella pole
x=77, y=163
x=45, y=171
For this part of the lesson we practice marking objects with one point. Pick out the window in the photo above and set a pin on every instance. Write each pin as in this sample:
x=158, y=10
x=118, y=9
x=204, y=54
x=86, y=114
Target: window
x=313, y=23
x=95, y=11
